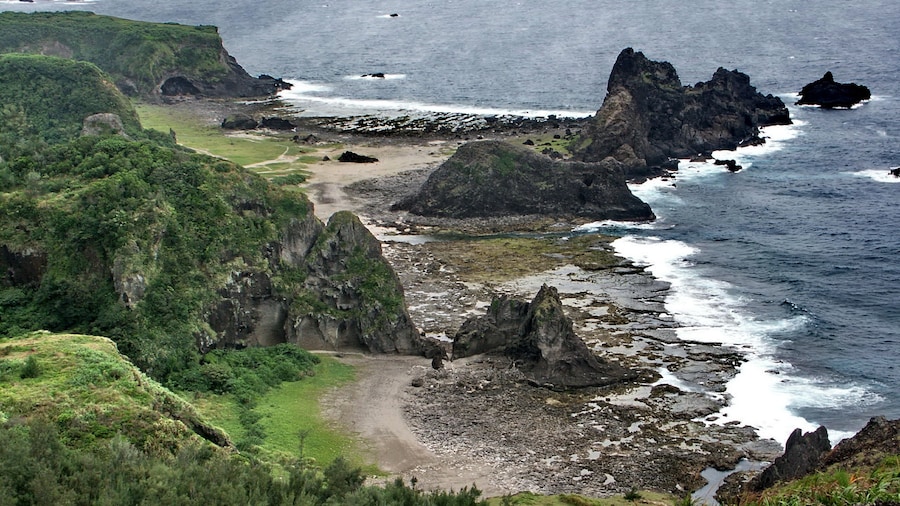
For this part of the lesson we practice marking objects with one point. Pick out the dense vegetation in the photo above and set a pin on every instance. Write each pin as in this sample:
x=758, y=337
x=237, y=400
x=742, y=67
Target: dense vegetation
x=81, y=425
x=137, y=54
x=69, y=92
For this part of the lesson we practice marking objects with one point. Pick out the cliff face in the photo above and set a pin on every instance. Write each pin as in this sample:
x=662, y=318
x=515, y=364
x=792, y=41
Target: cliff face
x=493, y=178
x=648, y=117
x=142, y=58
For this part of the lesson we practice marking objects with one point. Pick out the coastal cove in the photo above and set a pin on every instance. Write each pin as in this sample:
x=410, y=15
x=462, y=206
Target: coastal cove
x=757, y=301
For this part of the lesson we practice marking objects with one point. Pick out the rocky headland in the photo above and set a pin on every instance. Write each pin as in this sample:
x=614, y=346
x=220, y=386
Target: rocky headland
x=648, y=118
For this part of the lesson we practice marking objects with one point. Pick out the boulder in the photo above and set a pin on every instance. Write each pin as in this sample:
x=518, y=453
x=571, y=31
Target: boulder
x=828, y=94
x=277, y=124
x=103, y=123
x=495, y=179
x=731, y=165
x=538, y=337
x=648, y=117
x=239, y=121
x=351, y=157
x=895, y=171
x=802, y=455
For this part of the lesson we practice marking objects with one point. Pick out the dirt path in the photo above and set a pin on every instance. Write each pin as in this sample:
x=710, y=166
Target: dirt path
x=372, y=409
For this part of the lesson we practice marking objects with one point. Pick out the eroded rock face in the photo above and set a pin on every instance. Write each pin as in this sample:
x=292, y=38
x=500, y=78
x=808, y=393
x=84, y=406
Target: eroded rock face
x=829, y=94
x=648, y=117
x=540, y=338
x=21, y=268
x=494, y=178
x=103, y=123
x=802, y=455
x=235, y=83
x=360, y=299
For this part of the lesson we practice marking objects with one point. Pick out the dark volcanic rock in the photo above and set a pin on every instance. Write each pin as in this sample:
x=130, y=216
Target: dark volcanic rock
x=829, y=94
x=235, y=83
x=802, y=455
x=648, y=117
x=351, y=157
x=895, y=172
x=878, y=439
x=493, y=179
x=539, y=338
x=275, y=123
x=239, y=121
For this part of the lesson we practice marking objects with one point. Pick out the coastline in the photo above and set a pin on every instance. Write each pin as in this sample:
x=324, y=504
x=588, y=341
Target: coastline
x=592, y=442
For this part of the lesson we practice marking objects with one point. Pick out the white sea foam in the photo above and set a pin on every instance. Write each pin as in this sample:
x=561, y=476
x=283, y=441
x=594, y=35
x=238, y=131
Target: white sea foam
x=312, y=96
x=879, y=175
x=765, y=393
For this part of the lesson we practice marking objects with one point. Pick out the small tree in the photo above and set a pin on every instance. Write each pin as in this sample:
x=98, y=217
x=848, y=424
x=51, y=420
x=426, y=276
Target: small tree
x=32, y=369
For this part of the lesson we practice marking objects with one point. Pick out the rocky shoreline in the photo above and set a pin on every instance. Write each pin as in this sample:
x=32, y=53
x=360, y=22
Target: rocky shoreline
x=659, y=432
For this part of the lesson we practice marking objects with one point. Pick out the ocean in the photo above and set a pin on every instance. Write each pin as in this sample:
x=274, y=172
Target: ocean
x=794, y=260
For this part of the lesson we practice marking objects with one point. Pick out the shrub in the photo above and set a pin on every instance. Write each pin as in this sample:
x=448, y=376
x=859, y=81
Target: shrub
x=31, y=369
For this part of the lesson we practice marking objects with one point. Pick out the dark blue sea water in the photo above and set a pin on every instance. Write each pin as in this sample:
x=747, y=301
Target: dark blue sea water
x=794, y=260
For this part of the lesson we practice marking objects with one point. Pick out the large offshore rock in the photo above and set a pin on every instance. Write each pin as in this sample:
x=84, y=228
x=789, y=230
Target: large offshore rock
x=494, y=179
x=539, y=338
x=648, y=117
x=829, y=94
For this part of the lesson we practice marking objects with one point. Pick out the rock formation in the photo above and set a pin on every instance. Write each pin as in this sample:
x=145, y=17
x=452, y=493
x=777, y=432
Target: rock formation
x=493, y=178
x=539, y=338
x=648, y=118
x=351, y=157
x=802, y=455
x=829, y=94
x=235, y=83
x=360, y=299
x=239, y=121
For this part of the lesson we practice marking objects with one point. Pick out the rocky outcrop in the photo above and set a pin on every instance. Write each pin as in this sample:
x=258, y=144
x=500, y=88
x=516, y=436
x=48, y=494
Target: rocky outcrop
x=649, y=118
x=360, y=301
x=351, y=157
x=236, y=82
x=539, y=338
x=103, y=123
x=802, y=455
x=493, y=179
x=24, y=267
x=895, y=171
x=276, y=123
x=239, y=121
x=880, y=438
x=828, y=94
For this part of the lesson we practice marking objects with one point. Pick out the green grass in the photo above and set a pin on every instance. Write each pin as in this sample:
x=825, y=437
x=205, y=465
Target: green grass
x=289, y=410
x=294, y=407
x=207, y=138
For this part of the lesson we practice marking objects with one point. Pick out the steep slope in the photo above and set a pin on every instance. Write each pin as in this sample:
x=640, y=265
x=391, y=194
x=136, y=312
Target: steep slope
x=93, y=393
x=172, y=253
x=143, y=58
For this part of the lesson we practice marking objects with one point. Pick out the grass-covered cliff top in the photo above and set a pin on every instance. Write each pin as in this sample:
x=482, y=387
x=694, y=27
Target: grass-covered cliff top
x=135, y=53
x=93, y=393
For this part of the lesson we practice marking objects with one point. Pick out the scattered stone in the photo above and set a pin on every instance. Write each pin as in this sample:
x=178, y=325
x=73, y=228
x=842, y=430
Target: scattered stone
x=528, y=142
x=828, y=94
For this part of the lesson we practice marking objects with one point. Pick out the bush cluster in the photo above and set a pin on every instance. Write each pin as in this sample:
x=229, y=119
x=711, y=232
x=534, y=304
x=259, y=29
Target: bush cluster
x=37, y=468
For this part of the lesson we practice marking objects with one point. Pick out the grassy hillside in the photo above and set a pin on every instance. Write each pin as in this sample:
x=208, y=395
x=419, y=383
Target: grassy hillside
x=93, y=394
x=137, y=54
